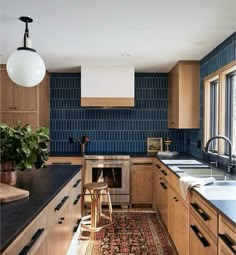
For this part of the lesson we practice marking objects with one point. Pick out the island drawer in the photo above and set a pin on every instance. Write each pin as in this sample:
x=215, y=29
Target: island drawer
x=204, y=212
x=57, y=205
x=31, y=239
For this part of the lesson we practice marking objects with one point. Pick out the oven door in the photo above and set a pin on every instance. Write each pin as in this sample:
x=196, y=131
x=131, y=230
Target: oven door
x=114, y=173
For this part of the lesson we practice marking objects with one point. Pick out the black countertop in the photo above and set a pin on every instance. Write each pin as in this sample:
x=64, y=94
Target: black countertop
x=43, y=184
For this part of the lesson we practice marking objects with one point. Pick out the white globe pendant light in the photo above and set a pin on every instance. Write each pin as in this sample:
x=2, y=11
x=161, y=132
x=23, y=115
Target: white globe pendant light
x=24, y=66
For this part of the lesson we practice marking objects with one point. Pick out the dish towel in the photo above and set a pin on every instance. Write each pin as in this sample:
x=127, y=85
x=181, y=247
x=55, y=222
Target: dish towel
x=187, y=182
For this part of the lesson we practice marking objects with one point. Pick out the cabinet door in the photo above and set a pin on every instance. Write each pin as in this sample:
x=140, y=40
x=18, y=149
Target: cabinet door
x=26, y=118
x=178, y=222
x=141, y=184
x=53, y=239
x=25, y=99
x=173, y=100
x=155, y=188
x=7, y=118
x=6, y=92
x=199, y=240
x=163, y=202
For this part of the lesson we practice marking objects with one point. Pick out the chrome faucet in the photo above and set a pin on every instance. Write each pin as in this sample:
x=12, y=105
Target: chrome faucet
x=230, y=163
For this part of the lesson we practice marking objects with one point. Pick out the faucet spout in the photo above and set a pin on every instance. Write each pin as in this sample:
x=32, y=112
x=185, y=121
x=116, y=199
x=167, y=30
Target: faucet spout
x=230, y=163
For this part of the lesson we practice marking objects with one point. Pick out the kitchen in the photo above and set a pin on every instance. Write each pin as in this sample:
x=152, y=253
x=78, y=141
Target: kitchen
x=122, y=131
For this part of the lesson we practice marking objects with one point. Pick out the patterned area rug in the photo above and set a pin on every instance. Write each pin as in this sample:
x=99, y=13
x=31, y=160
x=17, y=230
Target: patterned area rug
x=134, y=233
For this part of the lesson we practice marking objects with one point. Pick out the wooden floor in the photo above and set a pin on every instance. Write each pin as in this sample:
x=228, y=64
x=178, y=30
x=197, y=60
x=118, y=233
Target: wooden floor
x=78, y=247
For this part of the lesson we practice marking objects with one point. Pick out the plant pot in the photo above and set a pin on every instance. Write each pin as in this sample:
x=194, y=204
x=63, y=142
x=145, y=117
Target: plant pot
x=8, y=173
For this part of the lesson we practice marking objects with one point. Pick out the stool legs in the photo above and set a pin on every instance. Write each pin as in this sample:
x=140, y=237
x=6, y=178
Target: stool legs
x=96, y=216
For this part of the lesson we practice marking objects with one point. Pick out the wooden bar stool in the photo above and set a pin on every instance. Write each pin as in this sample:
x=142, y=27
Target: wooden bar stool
x=93, y=222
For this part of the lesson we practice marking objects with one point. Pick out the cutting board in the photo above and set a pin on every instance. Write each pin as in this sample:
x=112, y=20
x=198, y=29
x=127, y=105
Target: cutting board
x=9, y=193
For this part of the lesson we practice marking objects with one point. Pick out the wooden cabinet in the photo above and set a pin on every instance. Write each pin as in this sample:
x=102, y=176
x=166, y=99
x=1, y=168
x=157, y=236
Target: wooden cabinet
x=203, y=226
x=29, y=105
x=141, y=180
x=183, y=95
x=200, y=241
x=161, y=189
x=226, y=237
x=178, y=220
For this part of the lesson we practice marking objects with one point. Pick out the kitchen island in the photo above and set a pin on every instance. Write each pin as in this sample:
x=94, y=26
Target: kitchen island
x=43, y=185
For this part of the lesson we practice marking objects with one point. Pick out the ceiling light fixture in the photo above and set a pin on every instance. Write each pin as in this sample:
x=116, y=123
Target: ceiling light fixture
x=24, y=66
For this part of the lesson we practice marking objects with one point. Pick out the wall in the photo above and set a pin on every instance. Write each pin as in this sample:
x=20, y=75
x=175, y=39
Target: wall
x=217, y=58
x=110, y=130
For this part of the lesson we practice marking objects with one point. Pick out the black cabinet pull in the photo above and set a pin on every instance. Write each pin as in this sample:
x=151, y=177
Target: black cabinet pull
x=228, y=242
x=77, y=200
x=164, y=172
x=58, y=207
x=76, y=227
x=163, y=185
x=33, y=240
x=199, y=210
x=158, y=166
x=202, y=239
x=77, y=183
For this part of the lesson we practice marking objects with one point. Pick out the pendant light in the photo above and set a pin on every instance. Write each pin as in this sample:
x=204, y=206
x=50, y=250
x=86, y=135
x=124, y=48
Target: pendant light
x=24, y=66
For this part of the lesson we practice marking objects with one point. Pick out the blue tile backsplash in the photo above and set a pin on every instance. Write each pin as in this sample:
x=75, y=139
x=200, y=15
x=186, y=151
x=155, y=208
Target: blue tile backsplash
x=217, y=58
x=126, y=130
x=110, y=130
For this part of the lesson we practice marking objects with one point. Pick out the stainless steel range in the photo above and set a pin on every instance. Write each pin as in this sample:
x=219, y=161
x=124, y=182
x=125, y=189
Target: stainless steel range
x=115, y=171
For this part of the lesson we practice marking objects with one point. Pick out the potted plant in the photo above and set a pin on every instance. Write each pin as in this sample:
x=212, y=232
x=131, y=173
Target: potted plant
x=22, y=148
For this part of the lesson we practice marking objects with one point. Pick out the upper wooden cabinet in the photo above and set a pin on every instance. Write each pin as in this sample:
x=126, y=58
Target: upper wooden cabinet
x=29, y=105
x=183, y=95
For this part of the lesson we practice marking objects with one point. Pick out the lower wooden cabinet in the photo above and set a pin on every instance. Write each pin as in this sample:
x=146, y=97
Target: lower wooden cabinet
x=226, y=237
x=141, y=181
x=200, y=241
x=178, y=220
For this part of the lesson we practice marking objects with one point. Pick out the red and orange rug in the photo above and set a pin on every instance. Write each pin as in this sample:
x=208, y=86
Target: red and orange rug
x=134, y=233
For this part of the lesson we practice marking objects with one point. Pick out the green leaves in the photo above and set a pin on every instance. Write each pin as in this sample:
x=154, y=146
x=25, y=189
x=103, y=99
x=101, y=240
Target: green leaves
x=24, y=146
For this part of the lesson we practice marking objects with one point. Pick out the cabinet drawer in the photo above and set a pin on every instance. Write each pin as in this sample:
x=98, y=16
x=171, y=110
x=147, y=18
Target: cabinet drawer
x=66, y=160
x=75, y=184
x=227, y=236
x=56, y=207
x=204, y=212
x=199, y=240
x=164, y=171
x=29, y=241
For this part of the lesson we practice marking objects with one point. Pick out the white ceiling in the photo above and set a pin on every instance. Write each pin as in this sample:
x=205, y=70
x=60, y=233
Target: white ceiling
x=156, y=34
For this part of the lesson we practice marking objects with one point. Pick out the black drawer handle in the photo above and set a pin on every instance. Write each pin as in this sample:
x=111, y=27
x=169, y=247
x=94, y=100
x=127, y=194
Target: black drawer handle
x=164, y=172
x=163, y=185
x=228, y=243
x=158, y=166
x=199, y=210
x=58, y=207
x=33, y=240
x=77, y=183
x=76, y=227
x=77, y=200
x=203, y=240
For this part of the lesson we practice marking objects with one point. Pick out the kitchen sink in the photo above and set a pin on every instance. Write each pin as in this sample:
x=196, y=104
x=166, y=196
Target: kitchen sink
x=199, y=171
x=204, y=172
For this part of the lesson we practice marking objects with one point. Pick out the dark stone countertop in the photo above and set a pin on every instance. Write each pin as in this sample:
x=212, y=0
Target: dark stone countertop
x=226, y=206
x=43, y=184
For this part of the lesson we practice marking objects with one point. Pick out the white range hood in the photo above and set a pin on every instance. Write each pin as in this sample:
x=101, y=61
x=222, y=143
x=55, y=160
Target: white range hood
x=109, y=86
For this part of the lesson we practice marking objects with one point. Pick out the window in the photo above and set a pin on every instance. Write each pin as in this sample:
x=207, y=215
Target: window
x=230, y=105
x=220, y=108
x=213, y=113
